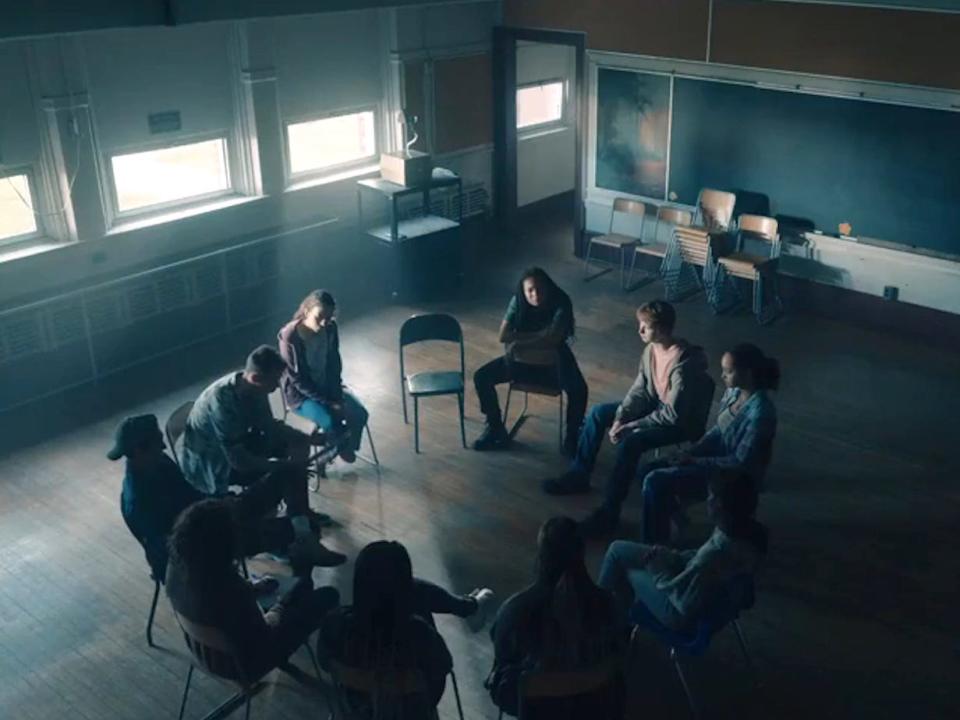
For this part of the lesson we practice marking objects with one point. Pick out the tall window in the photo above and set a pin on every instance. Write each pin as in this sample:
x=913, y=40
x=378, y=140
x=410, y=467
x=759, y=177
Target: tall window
x=331, y=142
x=540, y=104
x=17, y=219
x=179, y=173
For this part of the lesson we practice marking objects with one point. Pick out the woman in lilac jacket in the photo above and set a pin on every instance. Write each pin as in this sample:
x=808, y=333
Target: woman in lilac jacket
x=312, y=385
x=740, y=443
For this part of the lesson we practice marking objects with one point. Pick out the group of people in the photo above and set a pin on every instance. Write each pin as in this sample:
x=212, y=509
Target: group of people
x=198, y=519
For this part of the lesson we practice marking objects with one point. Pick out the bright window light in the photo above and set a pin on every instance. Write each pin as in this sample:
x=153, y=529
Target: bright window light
x=331, y=142
x=16, y=213
x=539, y=104
x=171, y=174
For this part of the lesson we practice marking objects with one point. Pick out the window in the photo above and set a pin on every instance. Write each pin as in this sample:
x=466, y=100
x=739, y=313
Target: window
x=331, y=142
x=16, y=208
x=540, y=104
x=170, y=175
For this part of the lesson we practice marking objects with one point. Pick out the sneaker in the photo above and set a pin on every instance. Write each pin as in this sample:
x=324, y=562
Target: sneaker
x=493, y=437
x=601, y=521
x=348, y=456
x=571, y=482
x=309, y=551
x=484, y=598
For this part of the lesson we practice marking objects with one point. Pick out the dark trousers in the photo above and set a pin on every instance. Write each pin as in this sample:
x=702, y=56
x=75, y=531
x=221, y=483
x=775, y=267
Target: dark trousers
x=665, y=487
x=303, y=609
x=629, y=451
x=565, y=374
x=430, y=600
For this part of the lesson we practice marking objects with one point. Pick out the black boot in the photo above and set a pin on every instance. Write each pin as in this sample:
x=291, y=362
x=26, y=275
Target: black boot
x=493, y=437
x=571, y=482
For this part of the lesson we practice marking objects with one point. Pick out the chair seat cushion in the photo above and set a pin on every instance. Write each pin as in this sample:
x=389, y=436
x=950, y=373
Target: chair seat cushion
x=614, y=240
x=435, y=383
x=744, y=265
x=656, y=249
x=535, y=389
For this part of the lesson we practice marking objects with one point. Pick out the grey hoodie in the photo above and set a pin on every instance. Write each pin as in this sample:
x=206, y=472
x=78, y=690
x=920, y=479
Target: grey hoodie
x=688, y=399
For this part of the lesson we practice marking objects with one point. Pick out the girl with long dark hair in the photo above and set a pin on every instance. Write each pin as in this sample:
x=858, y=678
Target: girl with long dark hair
x=740, y=442
x=312, y=386
x=535, y=332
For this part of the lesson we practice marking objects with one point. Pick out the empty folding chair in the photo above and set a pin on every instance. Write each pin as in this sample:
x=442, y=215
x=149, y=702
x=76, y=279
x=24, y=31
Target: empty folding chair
x=674, y=217
x=627, y=220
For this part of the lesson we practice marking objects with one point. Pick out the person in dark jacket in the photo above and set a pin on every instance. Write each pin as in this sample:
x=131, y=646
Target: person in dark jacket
x=313, y=384
x=390, y=625
x=667, y=404
x=562, y=622
x=535, y=332
x=204, y=586
x=740, y=442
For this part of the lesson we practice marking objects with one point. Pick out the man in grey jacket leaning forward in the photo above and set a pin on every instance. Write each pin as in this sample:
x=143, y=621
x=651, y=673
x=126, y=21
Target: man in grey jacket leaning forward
x=667, y=404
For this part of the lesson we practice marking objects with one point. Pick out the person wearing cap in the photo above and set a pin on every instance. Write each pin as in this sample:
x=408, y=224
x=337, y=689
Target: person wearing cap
x=155, y=493
x=232, y=438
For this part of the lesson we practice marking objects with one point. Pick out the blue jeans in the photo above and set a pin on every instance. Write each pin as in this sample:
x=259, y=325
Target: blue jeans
x=352, y=413
x=629, y=451
x=623, y=572
x=663, y=489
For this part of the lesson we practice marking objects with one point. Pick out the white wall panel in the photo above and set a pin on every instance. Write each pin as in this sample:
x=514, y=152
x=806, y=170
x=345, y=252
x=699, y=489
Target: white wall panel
x=133, y=73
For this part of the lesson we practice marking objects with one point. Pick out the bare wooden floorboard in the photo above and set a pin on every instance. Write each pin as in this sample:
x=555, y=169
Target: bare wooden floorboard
x=856, y=605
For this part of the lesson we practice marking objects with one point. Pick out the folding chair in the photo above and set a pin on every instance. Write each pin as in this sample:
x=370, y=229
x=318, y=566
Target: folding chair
x=755, y=259
x=566, y=685
x=686, y=267
x=623, y=241
x=736, y=597
x=421, y=328
x=384, y=688
x=213, y=653
x=536, y=389
x=715, y=209
x=676, y=217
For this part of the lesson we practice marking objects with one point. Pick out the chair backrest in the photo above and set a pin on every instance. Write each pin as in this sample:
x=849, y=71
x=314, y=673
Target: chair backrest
x=760, y=225
x=675, y=216
x=718, y=204
x=212, y=650
x=432, y=326
x=693, y=244
x=633, y=208
x=176, y=424
x=560, y=684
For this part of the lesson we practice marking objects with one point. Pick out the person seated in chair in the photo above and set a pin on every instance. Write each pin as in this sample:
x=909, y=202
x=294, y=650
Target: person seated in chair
x=312, y=385
x=204, y=587
x=676, y=586
x=667, y=404
x=155, y=492
x=562, y=622
x=232, y=438
x=390, y=625
x=741, y=441
x=535, y=332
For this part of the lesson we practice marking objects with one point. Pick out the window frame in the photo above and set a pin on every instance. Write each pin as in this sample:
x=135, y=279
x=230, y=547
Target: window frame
x=193, y=201
x=339, y=168
x=550, y=124
x=38, y=232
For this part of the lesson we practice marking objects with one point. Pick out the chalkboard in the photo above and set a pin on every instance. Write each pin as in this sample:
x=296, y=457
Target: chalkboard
x=892, y=172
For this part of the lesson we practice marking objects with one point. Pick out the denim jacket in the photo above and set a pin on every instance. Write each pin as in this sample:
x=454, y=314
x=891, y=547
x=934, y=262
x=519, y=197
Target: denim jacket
x=747, y=443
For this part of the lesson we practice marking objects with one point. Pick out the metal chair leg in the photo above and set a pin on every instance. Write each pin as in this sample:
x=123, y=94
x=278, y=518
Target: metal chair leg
x=153, y=611
x=463, y=432
x=683, y=681
x=506, y=406
x=416, y=424
x=403, y=395
x=373, y=448
x=586, y=261
x=186, y=691
x=247, y=713
x=456, y=693
x=560, y=422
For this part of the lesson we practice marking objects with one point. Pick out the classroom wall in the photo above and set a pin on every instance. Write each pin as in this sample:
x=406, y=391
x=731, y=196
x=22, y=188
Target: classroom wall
x=124, y=74
x=546, y=159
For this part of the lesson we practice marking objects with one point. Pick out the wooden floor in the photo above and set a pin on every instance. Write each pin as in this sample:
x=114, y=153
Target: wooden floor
x=856, y=613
